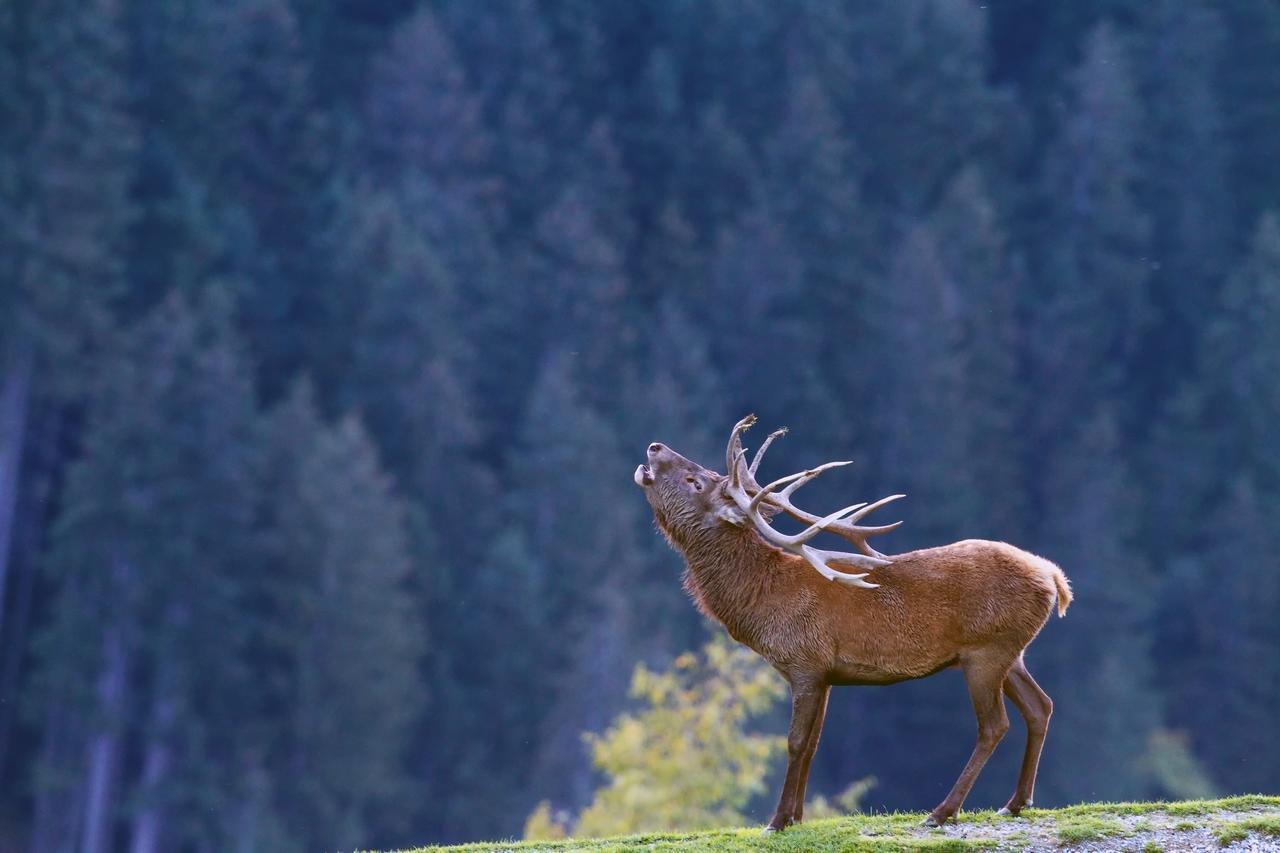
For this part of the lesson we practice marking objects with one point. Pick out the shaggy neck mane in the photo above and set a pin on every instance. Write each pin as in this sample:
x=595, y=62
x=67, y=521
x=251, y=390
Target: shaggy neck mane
x=728, y=571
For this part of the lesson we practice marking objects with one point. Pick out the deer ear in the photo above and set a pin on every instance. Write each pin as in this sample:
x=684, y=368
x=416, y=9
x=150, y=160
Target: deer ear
x=728, y=511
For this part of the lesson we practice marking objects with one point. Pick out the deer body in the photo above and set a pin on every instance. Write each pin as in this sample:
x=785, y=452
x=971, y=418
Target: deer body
x=973, y=604
x=789, y=615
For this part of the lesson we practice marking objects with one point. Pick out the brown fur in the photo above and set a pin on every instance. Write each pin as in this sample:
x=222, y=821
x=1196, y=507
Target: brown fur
x=973, y=604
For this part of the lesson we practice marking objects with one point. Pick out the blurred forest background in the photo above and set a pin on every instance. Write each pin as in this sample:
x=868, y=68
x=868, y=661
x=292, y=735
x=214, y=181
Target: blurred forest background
x=331, y=333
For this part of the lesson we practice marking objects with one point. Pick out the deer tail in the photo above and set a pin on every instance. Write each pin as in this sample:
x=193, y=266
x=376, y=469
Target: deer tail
x=1064, y=590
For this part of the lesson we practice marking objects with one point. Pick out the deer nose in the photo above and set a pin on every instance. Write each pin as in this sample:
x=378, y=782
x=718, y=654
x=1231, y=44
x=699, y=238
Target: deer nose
x=655, y=448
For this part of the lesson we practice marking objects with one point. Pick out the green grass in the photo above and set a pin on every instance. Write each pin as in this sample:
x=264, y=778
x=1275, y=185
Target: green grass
x=1075, y=830
x=1238, y=830
x=873, y=833
x=1229, y=819
x=1183, y=808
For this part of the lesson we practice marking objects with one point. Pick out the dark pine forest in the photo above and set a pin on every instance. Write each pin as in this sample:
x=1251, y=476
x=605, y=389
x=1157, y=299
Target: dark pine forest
x=332, y=331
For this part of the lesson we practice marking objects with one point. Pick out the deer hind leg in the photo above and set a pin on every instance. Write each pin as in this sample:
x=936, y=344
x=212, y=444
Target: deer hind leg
x=1036, y=707
x=808, y=706
x=984, y=672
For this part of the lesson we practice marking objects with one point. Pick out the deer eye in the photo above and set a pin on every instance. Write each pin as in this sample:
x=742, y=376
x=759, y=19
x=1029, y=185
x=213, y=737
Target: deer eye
x=697, y=485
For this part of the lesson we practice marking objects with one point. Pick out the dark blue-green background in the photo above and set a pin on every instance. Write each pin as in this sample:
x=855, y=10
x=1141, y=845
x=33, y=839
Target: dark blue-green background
x=332, y=331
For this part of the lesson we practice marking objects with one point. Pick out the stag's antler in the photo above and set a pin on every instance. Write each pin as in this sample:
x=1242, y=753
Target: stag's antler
x=842, y=522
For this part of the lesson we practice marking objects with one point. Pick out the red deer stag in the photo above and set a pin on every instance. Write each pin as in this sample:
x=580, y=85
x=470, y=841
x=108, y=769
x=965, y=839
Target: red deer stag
x=973, y=604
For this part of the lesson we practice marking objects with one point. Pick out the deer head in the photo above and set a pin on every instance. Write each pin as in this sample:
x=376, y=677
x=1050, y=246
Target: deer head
x=689, y=500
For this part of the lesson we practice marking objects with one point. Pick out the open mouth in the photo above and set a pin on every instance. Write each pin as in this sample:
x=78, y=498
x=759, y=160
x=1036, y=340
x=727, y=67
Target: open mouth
x=643, y=476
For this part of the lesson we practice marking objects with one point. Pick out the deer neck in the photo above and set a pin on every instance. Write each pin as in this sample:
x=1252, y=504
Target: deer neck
x=729, y=574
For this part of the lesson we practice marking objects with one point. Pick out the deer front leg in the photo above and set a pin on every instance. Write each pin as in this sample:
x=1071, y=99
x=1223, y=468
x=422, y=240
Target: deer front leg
x=808, y=706
x=814, y=734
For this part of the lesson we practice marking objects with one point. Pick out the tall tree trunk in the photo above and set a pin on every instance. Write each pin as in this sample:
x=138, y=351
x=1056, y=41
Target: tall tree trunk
x=15, y=395
x=25, y=547
x=56, y=818
x=148, y=826
x=248, y=820
x=15, y=648
x=104, y=747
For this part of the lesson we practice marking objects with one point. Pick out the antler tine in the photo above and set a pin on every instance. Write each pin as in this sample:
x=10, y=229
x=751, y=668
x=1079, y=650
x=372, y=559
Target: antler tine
x=796, y=543
x=844, y=528
x=755, y=462
x=799, y=478
x=735, y=481
x=872, y=508
x=817, y=527
x=819, y=560
x=848, y=529
x=821, y=524
x=735, y=451
x=843, y=522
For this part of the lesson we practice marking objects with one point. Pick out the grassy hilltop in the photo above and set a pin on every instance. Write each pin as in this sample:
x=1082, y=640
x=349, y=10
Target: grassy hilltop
x=1245, y=823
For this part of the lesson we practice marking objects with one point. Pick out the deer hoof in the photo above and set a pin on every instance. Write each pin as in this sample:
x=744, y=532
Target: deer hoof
x=935, y=820
x=778, y=824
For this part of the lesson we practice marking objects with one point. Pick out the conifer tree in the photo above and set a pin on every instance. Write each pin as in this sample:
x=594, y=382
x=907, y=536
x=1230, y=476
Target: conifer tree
x=1093, y=252
x=813, y=187
x=1101, y=734
x=715, y=175
x=409, y=373
x=66, y=142
x=520, y=76
x=182, y=232
x=1227, y=487
x=671, y=258
x=410, y=369
x=578, y=284
x=755, y=293
x=921, y=69
x=343, y=635
x=1183, y=159
x=509, y=587
x=149, y=553
x=1249, y=81
x=423, y=116
x=65, y=148
x=920, y=382
x=1087, y=348
x=974, y=252
x=747, y=36
x=267, y=166
x=581, y=524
